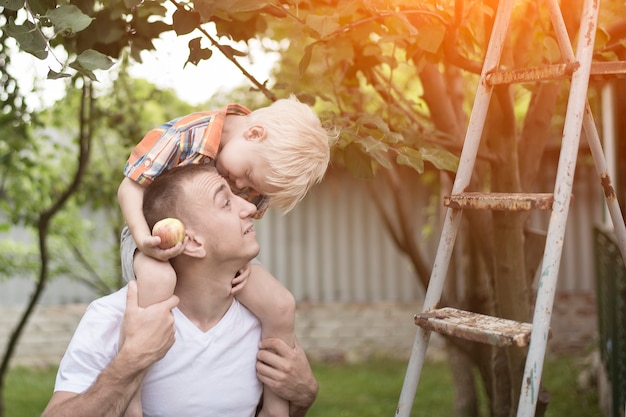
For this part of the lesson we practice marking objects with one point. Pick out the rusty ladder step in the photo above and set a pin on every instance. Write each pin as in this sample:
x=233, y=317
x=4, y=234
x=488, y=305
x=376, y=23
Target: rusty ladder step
x=554, y=72
x=500, y=201
x=475, y=327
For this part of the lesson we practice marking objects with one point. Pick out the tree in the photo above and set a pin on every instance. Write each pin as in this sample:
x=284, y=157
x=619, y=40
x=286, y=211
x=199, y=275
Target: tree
x=398, y=78
x=71, y=244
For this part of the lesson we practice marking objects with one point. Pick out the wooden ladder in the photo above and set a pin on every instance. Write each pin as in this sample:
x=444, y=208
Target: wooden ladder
x=493, y=330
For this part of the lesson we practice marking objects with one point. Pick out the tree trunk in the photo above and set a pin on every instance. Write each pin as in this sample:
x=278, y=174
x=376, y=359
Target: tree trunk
x=43, y=225
x=512, y=292
x=465, y=398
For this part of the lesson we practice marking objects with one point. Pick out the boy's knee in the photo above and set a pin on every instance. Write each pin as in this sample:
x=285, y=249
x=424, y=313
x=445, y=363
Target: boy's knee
x=147, y=268
x=286, y=306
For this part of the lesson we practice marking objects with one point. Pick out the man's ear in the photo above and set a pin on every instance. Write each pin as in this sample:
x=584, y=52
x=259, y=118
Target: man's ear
x=194, y=247
x=256, y=133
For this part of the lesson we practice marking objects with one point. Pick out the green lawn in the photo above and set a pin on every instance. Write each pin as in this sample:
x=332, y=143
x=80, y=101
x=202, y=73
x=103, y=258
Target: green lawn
x=364, y=390
x=372, y=390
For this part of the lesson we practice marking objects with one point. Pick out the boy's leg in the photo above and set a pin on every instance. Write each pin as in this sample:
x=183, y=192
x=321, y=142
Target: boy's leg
x=135, y=409
x=155, y=282
x=275, y=308
x=271, y=302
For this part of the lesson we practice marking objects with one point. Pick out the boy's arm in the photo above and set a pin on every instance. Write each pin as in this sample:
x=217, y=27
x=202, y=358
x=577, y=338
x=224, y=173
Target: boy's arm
x=130, y=197
x=148, y=335
x=271, y=302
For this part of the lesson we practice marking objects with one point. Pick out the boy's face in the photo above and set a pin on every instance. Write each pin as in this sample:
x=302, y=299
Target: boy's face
x=241, y=163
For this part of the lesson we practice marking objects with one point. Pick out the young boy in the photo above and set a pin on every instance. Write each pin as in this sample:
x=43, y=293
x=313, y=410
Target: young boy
x=270, y=156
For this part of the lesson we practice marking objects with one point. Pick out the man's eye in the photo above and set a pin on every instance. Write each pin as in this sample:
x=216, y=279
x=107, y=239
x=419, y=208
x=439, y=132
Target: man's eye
x=227, y=203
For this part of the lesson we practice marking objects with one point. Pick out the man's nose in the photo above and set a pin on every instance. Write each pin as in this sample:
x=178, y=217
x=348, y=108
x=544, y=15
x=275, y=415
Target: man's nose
x=248, y=209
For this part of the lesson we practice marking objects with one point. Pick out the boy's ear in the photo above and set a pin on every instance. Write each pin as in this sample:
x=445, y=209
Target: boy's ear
x=194, y=247
x=256, y=132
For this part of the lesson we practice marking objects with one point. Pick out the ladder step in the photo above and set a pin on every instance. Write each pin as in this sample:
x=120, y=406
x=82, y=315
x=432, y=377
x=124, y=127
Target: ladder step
x=554, y=72
x=475, y=327
x=544, y=73
x=500, y=201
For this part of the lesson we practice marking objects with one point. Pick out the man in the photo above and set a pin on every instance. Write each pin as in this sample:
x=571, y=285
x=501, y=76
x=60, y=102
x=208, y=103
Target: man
x=194, y=354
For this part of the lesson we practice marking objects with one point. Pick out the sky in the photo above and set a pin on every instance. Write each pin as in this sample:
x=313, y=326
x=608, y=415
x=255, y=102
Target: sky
x=163, y=67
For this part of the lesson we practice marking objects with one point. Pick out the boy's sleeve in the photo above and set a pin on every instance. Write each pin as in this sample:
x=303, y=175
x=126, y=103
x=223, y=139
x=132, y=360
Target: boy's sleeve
x=157, y=152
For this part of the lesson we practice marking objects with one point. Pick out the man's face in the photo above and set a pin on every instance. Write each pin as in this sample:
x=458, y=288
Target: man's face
x=222, y=219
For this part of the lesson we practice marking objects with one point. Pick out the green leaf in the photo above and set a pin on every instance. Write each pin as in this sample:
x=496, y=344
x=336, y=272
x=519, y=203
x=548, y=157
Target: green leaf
x=440, y=158
x=94, y=60
x=40, y=7
x=132, y=3
x=382, y=159
x=324, y=25
x=185, y=21
x=306, y=98
x=12, y=4
x=373, y=121
x=306, y=59
x=431, y=37
x=244, y=6
x=411, y=158
x=68, y=19
x=29, y=38
x=196, y=52
x=370, y=144
x=553, y=52
x=372, y=50
x=407, y=24
x=85, y=72
x=53, y=75
x=231, y=52
x=359, y=164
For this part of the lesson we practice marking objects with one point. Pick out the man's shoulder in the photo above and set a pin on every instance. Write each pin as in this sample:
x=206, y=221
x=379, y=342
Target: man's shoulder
x=240, y=313
x=112, y=305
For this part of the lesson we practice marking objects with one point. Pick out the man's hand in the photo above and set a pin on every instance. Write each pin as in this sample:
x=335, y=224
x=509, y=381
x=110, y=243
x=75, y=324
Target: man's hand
x=287, y=372
x=147, y=333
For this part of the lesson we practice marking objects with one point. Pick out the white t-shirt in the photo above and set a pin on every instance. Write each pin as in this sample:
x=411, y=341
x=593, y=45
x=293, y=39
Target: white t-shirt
x=210, y=374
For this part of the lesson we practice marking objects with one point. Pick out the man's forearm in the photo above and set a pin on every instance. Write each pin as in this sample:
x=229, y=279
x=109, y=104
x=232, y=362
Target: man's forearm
x=297, y=411
x=109, y=395
x=301, y=408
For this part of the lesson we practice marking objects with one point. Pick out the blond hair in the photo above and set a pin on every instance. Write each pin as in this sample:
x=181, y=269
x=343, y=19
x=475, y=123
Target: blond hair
x=297, y=151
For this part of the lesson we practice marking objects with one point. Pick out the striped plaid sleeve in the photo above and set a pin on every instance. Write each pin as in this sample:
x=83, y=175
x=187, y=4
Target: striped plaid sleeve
x=158, y=151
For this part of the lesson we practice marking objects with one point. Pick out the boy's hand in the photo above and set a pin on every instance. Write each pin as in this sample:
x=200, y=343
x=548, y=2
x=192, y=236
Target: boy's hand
x=240, y=279
x=150, y=246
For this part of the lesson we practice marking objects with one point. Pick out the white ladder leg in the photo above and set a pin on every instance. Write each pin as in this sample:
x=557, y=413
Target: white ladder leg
x=562, y=196
x=453, y=217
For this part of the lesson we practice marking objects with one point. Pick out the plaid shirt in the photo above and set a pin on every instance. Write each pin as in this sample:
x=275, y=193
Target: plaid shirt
x=191, y=139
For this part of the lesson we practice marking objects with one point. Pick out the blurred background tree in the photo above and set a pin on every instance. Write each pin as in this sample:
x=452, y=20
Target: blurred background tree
x=396, y=78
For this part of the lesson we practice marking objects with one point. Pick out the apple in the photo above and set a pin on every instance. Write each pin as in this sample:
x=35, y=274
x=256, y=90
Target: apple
x=170, y=230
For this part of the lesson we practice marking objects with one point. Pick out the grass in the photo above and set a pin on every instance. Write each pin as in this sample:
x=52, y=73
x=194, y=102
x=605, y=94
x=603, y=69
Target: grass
x=27, y=391
x=364, y=390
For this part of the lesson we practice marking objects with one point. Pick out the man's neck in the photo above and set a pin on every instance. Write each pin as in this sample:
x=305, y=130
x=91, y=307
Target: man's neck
x=204, y=298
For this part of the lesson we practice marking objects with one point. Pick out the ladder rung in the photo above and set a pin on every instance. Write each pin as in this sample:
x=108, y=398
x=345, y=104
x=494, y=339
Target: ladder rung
x=602, y=69
x=500, y=201
x=475, y=327
x=554, y=72
x=546, y=72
